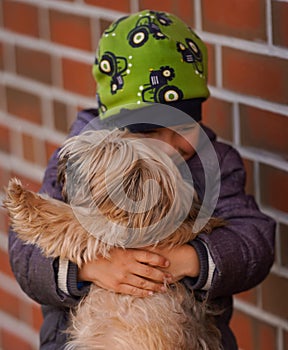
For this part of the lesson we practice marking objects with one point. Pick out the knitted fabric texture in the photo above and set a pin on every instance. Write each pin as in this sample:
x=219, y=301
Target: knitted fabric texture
x=150, y=57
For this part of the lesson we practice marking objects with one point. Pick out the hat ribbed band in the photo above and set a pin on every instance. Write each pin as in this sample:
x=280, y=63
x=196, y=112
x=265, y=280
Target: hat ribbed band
x=156, y=115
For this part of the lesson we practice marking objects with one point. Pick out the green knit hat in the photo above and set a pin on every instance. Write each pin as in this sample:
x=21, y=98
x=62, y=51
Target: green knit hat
x=150, y=57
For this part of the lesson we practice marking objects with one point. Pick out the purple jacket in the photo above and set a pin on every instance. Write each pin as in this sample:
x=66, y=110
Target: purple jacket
x=243, y=250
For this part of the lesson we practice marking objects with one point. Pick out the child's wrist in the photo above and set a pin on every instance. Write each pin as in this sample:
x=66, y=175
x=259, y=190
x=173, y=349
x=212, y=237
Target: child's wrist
x=193, y=267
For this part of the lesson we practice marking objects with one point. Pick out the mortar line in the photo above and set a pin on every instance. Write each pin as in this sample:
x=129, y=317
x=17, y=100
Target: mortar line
x=198, y=15
x=76, y=8
x=269, y=26
x=260, y=314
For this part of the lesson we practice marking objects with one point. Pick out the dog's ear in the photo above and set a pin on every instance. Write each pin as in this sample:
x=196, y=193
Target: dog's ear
x=48, y=223
x=61, y=174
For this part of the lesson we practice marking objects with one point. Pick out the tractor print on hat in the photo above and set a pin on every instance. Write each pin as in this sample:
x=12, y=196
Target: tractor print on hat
x=159, y=90
x=162, y=18
x=191, y=54
x=147, y=57
x=114, y=26
x=145, y=26
x=113, y=66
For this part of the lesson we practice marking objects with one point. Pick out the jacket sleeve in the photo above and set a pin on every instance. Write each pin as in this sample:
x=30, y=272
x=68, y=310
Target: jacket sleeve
x=36, y=274
x=242, y=250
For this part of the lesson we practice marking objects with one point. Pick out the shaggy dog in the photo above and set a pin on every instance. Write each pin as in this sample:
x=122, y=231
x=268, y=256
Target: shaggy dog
x=120, y=192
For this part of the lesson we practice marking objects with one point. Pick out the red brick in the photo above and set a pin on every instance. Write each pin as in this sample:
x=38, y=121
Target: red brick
x=285, y=340
x=242, y=19
x=24, y=105
x=264, y=129
x=253, y=334
x=249, y=167
x=28, y=147
x=9, y=303
x=80, y=107
x=283, y=235
x=34, y=64
x=50, y=149
x=241, y=325
x=21, y=18
x=27, y=182
x=249, y=296
x=5, y=264
x=274, y=295
x=77, y=77
x=217, y=114
x=273, y=186
x=4, y=176
x=185, y=10
x=60, y=116
x=11, y=341
x=31, y=146
x=182, y=8
x=26, y=312
x=279, y=22
x=4, y=221
x=256, y=75
x=168, y=6
x=104, y=24
x=37, y=316
x=70, y=30
x=266, y=337
x=123, y=5
x=4, y=139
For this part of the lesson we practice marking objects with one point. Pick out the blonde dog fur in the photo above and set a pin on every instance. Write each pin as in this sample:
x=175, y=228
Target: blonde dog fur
x=120, y=192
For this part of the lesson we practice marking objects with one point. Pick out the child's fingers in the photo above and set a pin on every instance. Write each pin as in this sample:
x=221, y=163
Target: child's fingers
x=132, y=290
x=137, y=283
x=151, y=258
x=150, y=273
x=137, y=292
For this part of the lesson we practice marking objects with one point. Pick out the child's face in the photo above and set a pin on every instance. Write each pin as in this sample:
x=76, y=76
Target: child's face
x=181, y=139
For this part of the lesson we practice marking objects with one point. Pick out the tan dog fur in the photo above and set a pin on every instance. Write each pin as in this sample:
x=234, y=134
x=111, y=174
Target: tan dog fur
x=95, y=167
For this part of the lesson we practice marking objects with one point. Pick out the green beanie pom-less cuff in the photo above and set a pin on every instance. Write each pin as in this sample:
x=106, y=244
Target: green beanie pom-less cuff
x=150, y=57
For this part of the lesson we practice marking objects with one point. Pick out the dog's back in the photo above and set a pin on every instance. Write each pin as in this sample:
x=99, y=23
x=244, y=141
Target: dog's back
x=163, y=321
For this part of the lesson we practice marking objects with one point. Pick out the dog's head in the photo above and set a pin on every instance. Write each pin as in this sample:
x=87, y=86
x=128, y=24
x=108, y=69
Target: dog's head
x=120, y=192
x=133, y=194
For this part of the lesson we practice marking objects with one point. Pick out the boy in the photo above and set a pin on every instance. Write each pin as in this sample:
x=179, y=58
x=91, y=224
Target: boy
x=153, y=57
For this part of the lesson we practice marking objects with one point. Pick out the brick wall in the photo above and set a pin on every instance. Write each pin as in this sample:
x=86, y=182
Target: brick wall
x=46, y=52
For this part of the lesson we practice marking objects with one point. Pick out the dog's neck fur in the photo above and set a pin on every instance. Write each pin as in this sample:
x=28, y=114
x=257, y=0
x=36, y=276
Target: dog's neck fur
x=110, y=181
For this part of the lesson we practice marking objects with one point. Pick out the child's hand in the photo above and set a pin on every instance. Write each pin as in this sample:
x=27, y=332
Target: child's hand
x=183, y=260
x=132, y=271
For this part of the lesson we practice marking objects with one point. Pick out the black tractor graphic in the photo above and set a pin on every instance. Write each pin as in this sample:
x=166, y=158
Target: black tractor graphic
x=144, y=27
x=191, y=54
x=114, y=25
x=162, y=18
x=158, y=90
x=114, y=66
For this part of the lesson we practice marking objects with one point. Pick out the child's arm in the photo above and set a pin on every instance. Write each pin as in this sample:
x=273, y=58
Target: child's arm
x=37, y=275
x=243, y=250
x=237, y=256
